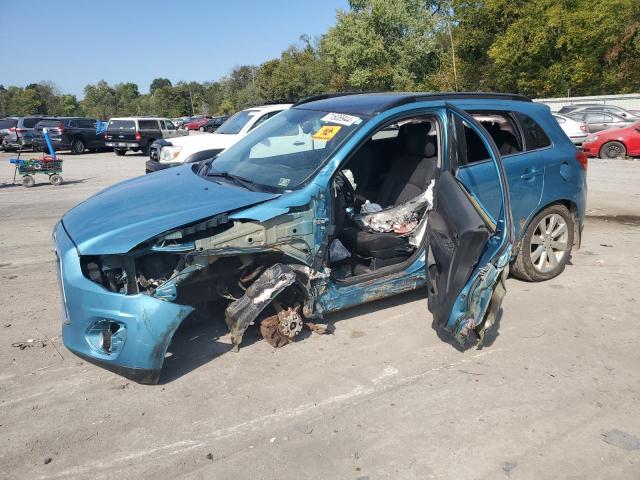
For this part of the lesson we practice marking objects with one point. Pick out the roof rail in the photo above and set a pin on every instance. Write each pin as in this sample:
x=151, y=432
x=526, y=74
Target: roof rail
x=457, y=96
x=324, y=96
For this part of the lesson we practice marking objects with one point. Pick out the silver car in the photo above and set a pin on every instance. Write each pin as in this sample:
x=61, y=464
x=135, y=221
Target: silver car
x=576, y=130
x=17, y=132
x=598, y=121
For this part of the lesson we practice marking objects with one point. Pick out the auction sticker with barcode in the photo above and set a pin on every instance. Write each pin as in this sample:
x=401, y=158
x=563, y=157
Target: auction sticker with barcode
x=341, y=118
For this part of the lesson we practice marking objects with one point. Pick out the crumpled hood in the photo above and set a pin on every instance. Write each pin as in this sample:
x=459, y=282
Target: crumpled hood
x=126, y=214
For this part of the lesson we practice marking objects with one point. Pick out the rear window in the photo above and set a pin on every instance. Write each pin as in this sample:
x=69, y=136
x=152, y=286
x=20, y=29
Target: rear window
x=148, y=124
x=86, y=123
x=8, y=122
x=31, y=122
x=121, y=125
x=535, y=136
x=49, y=123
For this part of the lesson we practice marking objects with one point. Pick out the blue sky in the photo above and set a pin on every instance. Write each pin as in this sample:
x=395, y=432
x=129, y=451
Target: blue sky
x=73, y=42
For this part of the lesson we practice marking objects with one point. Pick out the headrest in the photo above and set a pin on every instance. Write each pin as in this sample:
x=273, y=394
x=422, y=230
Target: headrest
x=417, y=141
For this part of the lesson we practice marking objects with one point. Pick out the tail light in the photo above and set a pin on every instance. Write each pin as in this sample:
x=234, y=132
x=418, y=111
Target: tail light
x=13, y=129
x=138, y=137
x=582, y=159
x=61, y=127
x=106, y=137
x=583, y=127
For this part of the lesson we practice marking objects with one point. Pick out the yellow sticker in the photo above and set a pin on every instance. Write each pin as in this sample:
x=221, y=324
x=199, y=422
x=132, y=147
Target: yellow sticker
x=327, y=132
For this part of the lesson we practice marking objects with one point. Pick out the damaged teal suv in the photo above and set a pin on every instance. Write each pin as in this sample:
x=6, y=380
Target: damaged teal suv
x=338, y=201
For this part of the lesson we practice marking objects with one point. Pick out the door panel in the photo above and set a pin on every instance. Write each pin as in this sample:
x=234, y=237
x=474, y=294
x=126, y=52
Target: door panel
x=469, y=250
x=457, y=236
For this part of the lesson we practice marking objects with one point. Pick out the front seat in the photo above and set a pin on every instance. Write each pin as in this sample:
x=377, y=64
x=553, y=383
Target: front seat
x=410, y=174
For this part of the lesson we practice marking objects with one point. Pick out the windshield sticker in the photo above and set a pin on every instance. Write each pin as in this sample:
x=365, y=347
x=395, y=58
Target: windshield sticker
x=284, y=182
x=327, y=132
x=341, y=118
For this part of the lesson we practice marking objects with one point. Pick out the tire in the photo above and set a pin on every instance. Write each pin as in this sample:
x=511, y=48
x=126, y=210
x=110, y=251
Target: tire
x=28, y=181
x=55, y=180
x=613, y=150
x=549, y=236
x=77, y=146
x=119, y=152
x=201, y=129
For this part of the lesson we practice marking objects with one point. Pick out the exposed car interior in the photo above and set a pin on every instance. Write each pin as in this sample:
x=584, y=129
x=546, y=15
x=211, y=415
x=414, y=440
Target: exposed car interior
x=385, y=176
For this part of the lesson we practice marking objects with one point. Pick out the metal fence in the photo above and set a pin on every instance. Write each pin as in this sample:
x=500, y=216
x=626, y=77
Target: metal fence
x=630, y=101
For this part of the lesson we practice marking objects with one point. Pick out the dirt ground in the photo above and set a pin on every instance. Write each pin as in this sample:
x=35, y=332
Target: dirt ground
x=555, y=395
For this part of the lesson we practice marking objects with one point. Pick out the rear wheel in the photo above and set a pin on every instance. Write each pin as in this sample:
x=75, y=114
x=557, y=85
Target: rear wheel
x=613, y=150
x=77, y=146
x=546, y=246
x=119, y=151
x=28, y=181
x=55, y=180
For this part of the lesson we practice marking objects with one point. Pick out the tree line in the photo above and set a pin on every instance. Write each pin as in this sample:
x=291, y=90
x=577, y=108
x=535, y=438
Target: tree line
x=537, y=48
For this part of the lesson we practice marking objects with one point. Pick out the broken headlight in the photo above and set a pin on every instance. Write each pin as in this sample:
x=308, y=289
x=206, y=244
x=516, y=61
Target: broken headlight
x=105, y=271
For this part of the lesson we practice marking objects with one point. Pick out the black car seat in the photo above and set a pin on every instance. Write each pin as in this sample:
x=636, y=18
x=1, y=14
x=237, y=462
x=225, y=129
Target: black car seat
x=410, y=174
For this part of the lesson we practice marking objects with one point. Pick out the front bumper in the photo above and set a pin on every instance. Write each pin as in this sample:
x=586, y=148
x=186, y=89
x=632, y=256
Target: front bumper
x=145, y=324
x=591, y=149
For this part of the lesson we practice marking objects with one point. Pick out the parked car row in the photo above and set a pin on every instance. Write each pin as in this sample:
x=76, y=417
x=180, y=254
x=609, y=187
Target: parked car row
x=17, y=132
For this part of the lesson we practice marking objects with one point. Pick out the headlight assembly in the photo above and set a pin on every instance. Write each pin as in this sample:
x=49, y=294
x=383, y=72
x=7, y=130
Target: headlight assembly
x=169, y=153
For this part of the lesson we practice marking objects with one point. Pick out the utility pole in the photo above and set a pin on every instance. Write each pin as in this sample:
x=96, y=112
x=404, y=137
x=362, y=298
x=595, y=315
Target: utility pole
x=453, y=56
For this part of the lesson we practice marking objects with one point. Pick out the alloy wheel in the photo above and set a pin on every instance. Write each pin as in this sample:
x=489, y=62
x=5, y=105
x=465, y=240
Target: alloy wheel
x=549, y=243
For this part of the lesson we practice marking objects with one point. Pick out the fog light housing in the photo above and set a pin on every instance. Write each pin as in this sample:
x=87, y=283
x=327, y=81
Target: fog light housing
x=107, y=337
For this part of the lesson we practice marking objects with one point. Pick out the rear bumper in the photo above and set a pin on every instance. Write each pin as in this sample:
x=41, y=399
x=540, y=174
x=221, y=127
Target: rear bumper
x=122, y=145
x=144, y=325
x=577, y=140
x=58, y=144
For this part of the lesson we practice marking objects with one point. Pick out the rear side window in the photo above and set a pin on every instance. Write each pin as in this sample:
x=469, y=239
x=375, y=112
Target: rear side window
x=31, y=122
x=121, y=125
x=148, y=125
x=535, y=136
x=8, y=122
x=85, y=123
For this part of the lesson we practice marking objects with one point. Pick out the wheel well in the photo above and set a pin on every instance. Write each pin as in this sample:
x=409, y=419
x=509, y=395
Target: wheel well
x=609, y=141
x=573, y=211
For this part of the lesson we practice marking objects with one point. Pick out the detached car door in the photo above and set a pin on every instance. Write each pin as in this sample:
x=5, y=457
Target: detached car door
x=469, y=251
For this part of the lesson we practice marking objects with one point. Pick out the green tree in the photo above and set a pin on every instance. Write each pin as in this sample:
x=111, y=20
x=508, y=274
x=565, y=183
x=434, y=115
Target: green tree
x=159, y=83
x=383, y=45
x=126, y=95
x=100, y=101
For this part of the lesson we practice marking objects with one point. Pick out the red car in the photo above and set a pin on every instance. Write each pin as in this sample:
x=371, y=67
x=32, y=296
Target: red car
x=197, y=123
x=615, y=143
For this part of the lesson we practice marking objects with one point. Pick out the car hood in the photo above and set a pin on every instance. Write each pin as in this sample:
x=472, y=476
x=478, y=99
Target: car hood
x=121, y=217
x=204, y=141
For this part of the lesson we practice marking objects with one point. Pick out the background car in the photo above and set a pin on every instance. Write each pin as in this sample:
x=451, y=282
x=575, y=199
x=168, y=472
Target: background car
x=213, y=124
x=597, y=121
x=614, y=143
x=17, y=132
x=576, y=130
x=195, y=148
x=69, y=133
x=196, y=123
x=598, y=108
x=137, y=133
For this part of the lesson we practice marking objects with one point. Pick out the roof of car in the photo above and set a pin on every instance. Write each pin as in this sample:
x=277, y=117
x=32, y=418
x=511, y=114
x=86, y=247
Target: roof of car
x=272, y=106
x=372, y=103
x=138, y=118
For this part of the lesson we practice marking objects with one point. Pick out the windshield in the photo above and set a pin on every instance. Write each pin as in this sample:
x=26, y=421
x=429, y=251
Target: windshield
x=236, y=122
x=283, y=152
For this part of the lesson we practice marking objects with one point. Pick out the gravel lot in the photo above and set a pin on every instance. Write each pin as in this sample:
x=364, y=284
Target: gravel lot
x=556, y=395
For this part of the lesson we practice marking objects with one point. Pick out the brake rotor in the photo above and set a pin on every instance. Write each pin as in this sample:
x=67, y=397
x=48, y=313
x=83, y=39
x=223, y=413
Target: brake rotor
x=280, y=329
